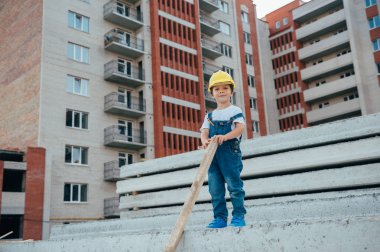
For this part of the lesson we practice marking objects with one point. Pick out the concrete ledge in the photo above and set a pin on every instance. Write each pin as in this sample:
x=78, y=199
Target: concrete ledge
x=339, y=131
x=319, y=157
x=333, y=234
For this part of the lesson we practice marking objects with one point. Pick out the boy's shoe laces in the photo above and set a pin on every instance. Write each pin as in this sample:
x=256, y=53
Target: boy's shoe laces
x=217, y=223
x=237, y=222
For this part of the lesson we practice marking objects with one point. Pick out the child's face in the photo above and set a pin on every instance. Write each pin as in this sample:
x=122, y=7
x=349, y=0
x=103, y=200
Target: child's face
x=222, y=93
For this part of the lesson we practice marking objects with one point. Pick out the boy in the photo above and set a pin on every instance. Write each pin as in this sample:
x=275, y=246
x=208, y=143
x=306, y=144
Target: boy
x=225, y=126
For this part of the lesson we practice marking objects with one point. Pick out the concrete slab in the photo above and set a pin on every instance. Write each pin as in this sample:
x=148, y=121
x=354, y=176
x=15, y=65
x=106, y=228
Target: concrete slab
x=297, y=160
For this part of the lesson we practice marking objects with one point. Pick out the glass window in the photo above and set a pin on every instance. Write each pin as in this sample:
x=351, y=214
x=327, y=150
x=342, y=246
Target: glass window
x=75, y=192
x=369, y=3
x=255, y=127
x=248, y=59
x=376, y=44
x=77, y=85
x=78, y=21
x=229, y=70
x=251, y=81
x=374, y=22
x=285, y=21
x=253, y=103
x=76, y=119
x=76, y=155
x=226, y=50
x=78, y=53
x=278, y=24
x=224, y=28
x=244, y=17
x=247, y=37
x=378, y=68
x=223, y=6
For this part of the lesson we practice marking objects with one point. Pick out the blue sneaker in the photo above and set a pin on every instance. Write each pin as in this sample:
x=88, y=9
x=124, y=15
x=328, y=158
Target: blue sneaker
x=217, y=223
x=237, y=222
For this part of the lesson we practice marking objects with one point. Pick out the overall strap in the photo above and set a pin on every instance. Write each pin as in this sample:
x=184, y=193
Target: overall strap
x=209, y=116
x=236, y=116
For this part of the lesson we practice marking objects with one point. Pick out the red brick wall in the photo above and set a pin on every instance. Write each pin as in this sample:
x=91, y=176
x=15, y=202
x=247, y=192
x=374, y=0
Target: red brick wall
x=34, y=193
x=20, y=61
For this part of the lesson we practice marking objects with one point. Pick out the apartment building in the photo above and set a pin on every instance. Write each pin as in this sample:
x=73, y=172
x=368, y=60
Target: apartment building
x=324, y=57
x=102, y=84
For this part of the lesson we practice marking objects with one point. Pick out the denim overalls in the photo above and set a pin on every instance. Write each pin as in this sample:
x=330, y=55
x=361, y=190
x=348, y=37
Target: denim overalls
x=226, y=168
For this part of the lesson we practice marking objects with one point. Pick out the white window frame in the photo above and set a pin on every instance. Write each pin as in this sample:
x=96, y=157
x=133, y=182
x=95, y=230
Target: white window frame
x=323, y=105
x=82, y=116
x=78, y=53
x=374, y=22
x=77, y=85
x=249, y=59
x=255, y=126
x=79, y=196
x=126, y=157
x=78, y=150
x=78, y=22
x=278, y=24
x=126, y=125
x=369, y=3
x=226, y=50
x=247, y=37
x=376, y=45
x=223, y=6
x=251, y=80
x=285, y=21
x=244, y=17
x=125, y=65
x=229, y=70
x=253, y=103
x=225, y=28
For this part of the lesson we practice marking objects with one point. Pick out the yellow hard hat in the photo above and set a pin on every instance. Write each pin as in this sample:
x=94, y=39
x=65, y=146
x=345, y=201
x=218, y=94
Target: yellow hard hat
x=220, y=78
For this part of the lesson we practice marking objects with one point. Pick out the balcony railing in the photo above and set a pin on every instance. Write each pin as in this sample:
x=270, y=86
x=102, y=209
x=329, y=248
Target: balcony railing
x=209, y=69
x=209, y=25
x=123, y=44
x=118, y=72
x=123, y=15
x=210, y=48
x=209, y=99
x=117, y=136
x=111, y=171
x=121, y=105
x=208, y=5
x=111, y=207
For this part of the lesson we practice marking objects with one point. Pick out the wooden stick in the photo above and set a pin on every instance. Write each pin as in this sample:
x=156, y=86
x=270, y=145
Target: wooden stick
x=187, y=207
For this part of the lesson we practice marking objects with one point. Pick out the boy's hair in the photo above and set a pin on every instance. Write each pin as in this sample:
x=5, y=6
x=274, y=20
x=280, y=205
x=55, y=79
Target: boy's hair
x=230, y=85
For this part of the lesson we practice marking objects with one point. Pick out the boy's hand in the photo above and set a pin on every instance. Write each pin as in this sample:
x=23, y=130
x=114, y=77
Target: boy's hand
x=220, y=138
x=205, y=143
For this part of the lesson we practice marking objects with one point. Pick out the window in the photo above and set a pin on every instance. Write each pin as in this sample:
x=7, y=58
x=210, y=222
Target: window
x=378, y=68
x=244, y=17
x=285, y=21
x=314, y=41
x=77, y=52
x=223, y=6
x=125, y=97
x=230, y=71
x=125, y=158
x=255, y=127
x=76, y=155
x=76, y=119
x=76, y=85
x=224, y=28
x=347, y=74
x=376, y=44
x=317, y=62
x=78, y=21
x=278, y=24
x=226, y=50
x=374, y=22
x=125, y=128
x=124, y=67
x=251, y=81
x=369, y=3
x=345, y=51
x=75, y=193
x=247, y=37
x=351, y=96
x=122, y=9
x=253, y=103
x=320, y=83
x=323, y=105
x=248, y=59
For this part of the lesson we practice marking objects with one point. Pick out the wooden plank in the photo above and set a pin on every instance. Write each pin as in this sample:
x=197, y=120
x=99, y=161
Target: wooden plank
x=177, y=232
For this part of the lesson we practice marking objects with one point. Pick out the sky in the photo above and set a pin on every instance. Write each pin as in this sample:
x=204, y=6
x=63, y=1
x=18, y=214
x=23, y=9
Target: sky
x=264, y=7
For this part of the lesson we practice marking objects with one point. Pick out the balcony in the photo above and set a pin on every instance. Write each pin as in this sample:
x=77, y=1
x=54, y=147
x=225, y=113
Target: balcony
x=117, y=104
x=313, y=9
x=330, y=89
x=123, y=15
x=334, y=112
x=209, y=25
x=117, y=136
x=111, y=207
x=210, y=48
x=123, y=44
x=327, y=68
x=210, y=101
x=112, y=171
x=116, y=72
x=209, y=69
x=324, y=47
x=208, y=5
x=321, y=26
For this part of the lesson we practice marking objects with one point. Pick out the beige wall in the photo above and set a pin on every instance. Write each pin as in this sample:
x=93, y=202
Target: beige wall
x=20, y=64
